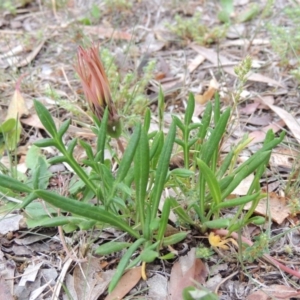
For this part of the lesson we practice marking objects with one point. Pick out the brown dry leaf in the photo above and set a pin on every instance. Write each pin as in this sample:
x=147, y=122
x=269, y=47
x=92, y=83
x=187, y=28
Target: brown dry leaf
x=277, y=206
x=90, y=281
x=289, y=120
x=128, y=281
x=219, y=60
x=275, y=291
x=186, y=272
x=209, y=93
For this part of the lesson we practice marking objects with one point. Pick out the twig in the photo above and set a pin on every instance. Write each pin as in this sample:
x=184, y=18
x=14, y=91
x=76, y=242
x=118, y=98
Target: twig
x=69, y=255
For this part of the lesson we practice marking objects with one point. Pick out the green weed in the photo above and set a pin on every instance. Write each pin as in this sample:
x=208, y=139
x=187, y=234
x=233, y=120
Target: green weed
x=285, y=40
x=119, y=5
x=192, y=29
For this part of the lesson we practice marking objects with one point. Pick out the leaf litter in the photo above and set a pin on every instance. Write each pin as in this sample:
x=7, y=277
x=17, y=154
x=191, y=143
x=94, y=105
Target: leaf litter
x=57, y=50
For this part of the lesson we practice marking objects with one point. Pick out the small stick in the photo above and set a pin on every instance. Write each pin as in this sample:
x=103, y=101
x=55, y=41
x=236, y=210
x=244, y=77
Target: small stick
x=69, y=255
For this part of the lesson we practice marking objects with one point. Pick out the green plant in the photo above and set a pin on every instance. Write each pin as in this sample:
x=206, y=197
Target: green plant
x=118, y=5
x=128, y=93
x=285, y=40
x=214, y=184
x=258, y=249
x=193, y=29
x=9, y=5
x=92, y=16
x=129, y=199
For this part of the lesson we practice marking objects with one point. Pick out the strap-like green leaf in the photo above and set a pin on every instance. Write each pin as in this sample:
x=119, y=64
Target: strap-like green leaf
x=127, y=158
x=141, y=175
x=13, y=184
x=86, y=210
x=110, y=247
x=162, y=170
x=123, y=263
x=213, y=142
x=211, y=180
x=189, y=110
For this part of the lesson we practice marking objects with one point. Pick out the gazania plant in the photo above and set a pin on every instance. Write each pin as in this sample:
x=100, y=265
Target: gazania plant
x=131, y=198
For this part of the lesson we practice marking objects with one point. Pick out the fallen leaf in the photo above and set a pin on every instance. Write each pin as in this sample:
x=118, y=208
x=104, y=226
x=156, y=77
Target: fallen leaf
x=275, y=291
x=243, y=187
x=284, y=158
x=30, y=273
x=259, y=136
x=276, y=205
x=220, y=60
x=158, y=287
x=16, y=109
x=289, y=120
x=10, y=223
x=188, y=271
x=128, y=281
x=4, y=290
x=90, y=281
x=258, y=295
x=195, y=63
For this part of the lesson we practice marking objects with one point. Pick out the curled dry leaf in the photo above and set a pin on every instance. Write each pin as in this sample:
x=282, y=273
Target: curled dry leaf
x=209, y=93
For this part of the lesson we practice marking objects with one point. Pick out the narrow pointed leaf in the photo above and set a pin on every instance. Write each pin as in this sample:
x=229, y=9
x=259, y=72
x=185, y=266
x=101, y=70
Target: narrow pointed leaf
x=162, y=170
x=86, y=210
x=46, y=118
x=128, y=155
